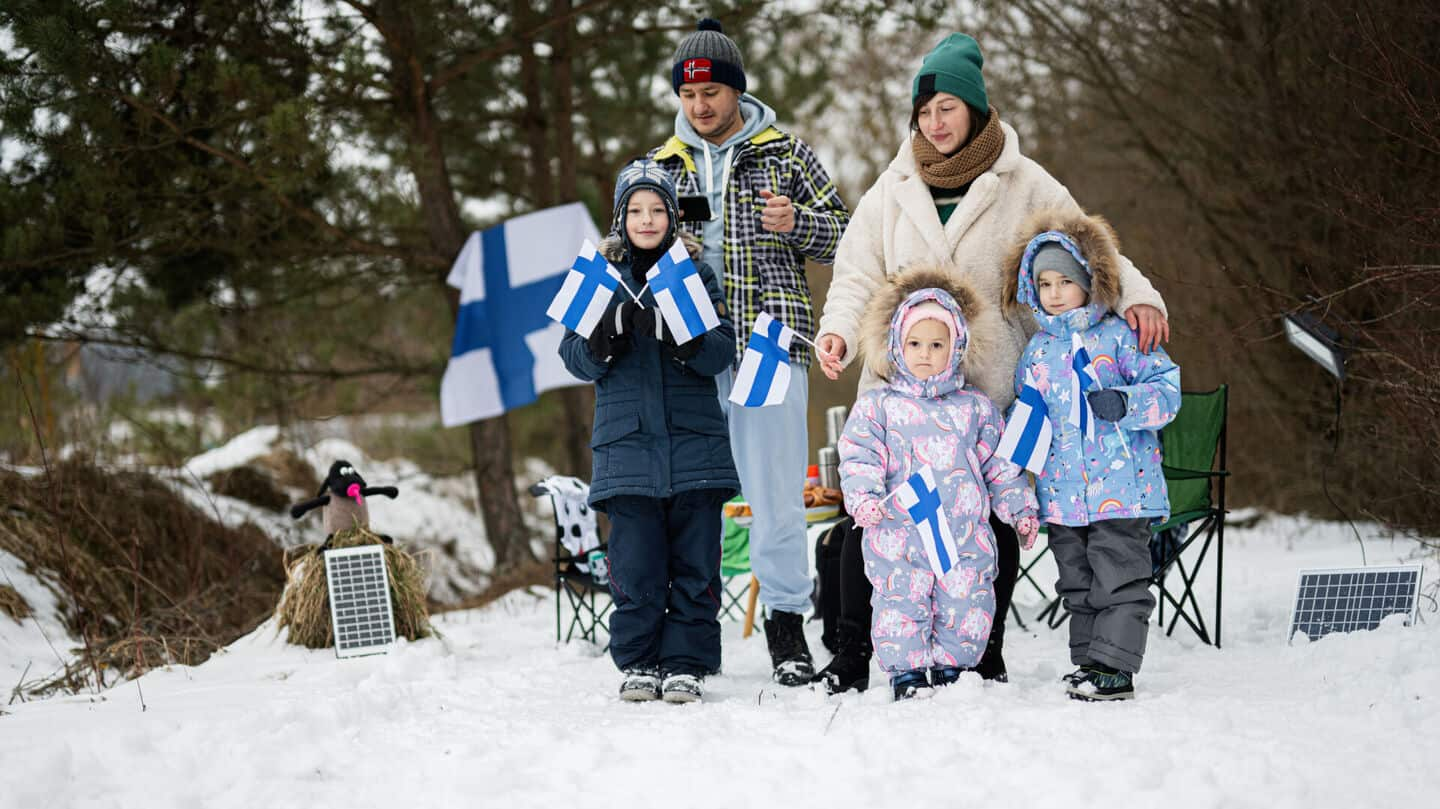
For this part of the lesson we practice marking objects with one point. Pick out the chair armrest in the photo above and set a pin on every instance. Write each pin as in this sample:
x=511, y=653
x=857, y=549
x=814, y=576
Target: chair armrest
x=1176, y=473
x=603, y=546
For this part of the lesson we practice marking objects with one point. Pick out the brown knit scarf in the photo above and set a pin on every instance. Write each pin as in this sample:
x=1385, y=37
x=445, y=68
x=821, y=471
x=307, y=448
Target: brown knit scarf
x=953, y=171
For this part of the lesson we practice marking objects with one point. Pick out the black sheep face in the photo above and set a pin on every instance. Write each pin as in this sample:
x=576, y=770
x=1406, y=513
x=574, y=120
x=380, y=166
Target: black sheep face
x=346, y=508
x=341, y=478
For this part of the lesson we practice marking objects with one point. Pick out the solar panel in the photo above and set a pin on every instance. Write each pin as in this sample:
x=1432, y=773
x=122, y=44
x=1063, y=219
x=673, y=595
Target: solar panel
x=1346, y=599
x=359, y=600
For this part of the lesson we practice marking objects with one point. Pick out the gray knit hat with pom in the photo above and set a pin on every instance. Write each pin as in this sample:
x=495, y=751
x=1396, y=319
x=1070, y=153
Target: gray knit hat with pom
x=707, y=56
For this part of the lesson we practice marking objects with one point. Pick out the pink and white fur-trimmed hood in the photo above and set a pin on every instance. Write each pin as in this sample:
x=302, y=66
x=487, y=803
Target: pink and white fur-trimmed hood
x=980, y=326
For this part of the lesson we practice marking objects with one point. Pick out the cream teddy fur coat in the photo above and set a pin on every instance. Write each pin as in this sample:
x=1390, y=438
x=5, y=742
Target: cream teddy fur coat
x=896, y=226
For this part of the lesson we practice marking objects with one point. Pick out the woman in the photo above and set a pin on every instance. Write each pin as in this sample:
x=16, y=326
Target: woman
x=956, y=195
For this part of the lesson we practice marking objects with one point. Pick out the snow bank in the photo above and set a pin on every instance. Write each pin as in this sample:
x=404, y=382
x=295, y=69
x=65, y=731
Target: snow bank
x=38, y=646
x=495, y=714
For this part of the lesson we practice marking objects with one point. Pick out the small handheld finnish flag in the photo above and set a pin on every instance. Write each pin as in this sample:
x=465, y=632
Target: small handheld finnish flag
x=1085, y=380
x=1026, y=441
x=764, y=374
x=680, y=293
x=921, y=500
x=586, y=291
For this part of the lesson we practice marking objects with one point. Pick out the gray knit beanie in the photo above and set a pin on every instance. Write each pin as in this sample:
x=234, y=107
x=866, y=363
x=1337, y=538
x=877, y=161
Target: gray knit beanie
x=707, y=56
x=1054, y=256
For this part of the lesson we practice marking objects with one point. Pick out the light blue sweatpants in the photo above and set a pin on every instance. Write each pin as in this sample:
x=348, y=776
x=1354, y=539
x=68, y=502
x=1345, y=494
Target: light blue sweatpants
x=771, y=447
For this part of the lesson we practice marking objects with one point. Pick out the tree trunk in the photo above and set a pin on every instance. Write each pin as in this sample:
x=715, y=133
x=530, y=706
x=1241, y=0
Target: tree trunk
x=490, y=438
x=578, y=402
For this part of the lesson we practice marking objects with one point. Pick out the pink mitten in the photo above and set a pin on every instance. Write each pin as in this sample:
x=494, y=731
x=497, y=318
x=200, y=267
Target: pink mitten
x=1028, y=528
x=869, y=514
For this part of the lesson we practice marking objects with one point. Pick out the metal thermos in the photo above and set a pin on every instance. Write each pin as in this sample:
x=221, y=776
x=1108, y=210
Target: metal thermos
x=829, y=463
x=834, y=423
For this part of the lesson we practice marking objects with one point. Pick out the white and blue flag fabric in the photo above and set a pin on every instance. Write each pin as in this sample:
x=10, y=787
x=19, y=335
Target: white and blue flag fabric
x=1026, y=440
x=681, y=295
x=586, y=291
x=764, y=374
x=504, y=353
x=1084, y=381
x=921, y=500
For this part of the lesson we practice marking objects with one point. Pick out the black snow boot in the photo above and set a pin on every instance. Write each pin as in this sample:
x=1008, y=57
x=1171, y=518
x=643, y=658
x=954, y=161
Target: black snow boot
x=992, y=663
x=789, y=654
x=942, y=676
x=683, y=688
x=640, y=684
x=1104, y=684
x=850, y=668
x=910, y=685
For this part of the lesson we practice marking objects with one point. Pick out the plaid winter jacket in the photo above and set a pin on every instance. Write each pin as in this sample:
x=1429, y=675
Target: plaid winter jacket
x=765, y=272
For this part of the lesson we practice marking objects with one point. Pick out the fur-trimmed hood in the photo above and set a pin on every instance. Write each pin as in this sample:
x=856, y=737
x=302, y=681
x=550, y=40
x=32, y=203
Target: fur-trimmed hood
x=980, y=325
x=1093, y=243
x=612, y=247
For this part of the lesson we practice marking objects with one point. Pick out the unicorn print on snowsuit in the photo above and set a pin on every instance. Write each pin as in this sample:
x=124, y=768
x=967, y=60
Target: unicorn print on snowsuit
x=1117, y=474
x=922, y=623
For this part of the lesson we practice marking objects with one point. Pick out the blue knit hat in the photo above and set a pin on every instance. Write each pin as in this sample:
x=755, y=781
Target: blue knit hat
x=644, y=174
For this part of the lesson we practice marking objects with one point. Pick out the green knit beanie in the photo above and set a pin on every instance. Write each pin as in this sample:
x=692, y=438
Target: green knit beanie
x=954, y=68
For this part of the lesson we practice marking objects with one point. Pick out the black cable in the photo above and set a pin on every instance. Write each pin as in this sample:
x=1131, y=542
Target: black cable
x=1324, y=472
x=1429, y=594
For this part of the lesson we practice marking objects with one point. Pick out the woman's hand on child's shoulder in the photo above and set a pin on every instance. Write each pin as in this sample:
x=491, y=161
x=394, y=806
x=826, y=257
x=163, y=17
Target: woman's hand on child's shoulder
x=1150, y=325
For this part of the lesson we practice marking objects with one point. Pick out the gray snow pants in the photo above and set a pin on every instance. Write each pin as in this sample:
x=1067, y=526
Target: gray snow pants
x=1105, y=581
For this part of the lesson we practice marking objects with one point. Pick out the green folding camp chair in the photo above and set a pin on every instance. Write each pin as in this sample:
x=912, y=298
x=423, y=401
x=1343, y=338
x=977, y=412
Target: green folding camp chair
x=578, y=550
x=735, y=572
x=1195, y=473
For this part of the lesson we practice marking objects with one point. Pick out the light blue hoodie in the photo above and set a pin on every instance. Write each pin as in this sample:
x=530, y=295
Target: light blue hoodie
x=711, y=162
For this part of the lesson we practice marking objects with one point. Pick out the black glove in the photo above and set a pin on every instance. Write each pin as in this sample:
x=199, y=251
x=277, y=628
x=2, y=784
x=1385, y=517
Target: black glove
x=609, y=340
x=682, y=351
x=687, y=351
x=1108, y=404
x=640, y=322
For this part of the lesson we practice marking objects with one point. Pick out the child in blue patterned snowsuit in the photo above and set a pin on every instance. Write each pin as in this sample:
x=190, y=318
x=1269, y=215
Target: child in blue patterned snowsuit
x=915, y=335
x=1099, y=495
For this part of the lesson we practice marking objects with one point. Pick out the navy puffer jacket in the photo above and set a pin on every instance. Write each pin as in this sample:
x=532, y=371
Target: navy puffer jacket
x=659, y=429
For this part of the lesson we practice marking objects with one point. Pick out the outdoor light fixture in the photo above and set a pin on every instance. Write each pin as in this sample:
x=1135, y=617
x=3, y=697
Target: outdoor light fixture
x=1318, y=341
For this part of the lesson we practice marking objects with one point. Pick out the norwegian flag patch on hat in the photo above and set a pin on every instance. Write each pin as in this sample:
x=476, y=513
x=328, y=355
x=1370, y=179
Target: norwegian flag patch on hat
x=696, y=70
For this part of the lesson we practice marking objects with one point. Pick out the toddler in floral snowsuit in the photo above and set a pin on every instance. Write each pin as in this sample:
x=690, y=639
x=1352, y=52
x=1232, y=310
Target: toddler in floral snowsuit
x=915, y=335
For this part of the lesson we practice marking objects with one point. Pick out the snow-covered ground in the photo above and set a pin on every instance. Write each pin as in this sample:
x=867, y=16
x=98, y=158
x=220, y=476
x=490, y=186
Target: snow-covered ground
x=495, y=714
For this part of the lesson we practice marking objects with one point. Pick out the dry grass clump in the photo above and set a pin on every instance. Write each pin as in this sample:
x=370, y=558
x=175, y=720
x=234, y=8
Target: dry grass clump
x=146, y=578
x=13, y=604
x=253, y=486
x=305, y=605
x=288, y=470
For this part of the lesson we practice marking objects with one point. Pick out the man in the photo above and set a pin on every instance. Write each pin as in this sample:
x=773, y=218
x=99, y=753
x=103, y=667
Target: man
x=772, y=206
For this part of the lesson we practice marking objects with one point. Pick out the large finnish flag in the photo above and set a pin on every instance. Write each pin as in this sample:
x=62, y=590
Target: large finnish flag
x=764, y=374
x=921, y=500
x=1026, y=440
x=1084, y=381
x=680, y=293
x=586, y=291
x=506, y=350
